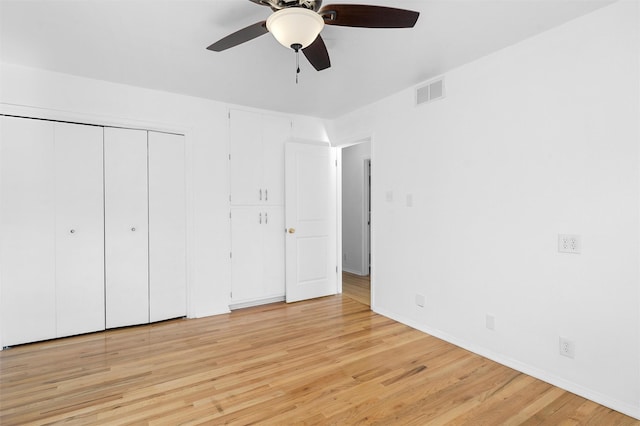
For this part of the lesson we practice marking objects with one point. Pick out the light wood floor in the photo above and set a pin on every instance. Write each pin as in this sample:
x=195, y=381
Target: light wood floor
x=357, y=287
x=325, y=361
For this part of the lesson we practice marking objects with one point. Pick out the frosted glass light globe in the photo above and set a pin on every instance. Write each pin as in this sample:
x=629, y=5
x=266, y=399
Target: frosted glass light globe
x=295, y=25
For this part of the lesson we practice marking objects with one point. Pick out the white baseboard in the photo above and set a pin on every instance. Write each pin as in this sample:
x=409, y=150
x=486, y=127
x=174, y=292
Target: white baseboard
x=209, y=313
x=256, y=302
x=607, y=401
x=353, y=271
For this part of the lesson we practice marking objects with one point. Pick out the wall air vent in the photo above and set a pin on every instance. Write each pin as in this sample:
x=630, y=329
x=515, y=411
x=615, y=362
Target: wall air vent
x=430, y=92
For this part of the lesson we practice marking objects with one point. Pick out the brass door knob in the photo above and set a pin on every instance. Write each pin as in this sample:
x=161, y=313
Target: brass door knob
x=292, y=230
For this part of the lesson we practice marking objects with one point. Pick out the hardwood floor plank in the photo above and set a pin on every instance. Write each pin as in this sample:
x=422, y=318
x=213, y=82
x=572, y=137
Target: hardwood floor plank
x=325, y=361
x=357, y=287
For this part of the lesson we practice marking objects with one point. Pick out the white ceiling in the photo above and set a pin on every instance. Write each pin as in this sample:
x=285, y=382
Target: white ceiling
x=161, y=44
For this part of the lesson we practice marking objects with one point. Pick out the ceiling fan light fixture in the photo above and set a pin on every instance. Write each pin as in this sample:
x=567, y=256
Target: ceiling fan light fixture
x=295, y=26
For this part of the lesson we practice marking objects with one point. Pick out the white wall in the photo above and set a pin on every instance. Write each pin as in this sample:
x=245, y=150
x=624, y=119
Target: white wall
x=205, y=125
x=354, y=252
x=536, y=140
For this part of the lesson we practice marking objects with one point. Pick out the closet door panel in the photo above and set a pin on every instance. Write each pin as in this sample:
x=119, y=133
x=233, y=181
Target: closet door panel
x=276, y=131
x=126, y=227
x=273, y=249
x=246, y=158
x=79, y=216
x=167, y=227
x=246, y=247
x=27, y=241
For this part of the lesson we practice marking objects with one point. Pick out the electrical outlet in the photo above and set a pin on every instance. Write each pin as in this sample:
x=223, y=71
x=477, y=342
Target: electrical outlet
x=490, y=322
x=569, y=244
x=567, y=348
x=420, y=300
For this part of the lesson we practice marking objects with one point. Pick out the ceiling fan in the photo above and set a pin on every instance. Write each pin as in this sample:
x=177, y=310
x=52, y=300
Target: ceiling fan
x=296, y=24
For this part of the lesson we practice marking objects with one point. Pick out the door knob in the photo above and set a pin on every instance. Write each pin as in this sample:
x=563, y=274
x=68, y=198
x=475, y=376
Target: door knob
x=133, y=229
x=292, y=230
x=73, y=231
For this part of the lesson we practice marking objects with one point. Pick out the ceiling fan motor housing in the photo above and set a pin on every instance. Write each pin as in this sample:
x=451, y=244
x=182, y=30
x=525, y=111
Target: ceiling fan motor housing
x=276, y=5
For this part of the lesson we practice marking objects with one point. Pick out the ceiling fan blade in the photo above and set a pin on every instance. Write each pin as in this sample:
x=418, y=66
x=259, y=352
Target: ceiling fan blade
x=317, y=54
x=240, y=36
x=365, y=16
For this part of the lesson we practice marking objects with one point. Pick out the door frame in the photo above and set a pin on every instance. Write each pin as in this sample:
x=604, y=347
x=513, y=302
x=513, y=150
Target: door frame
x=340, y=146
x=366, y=211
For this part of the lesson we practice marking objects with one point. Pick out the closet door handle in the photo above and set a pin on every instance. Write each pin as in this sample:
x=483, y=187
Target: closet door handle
x=260, y=194
x=266, y=219
x=260, y=220
x=266, y=195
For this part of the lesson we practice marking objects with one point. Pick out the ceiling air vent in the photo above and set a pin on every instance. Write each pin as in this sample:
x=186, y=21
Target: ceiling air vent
x=432, y=91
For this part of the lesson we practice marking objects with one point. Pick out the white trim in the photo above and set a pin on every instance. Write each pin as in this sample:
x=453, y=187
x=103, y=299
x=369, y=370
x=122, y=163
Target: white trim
x=356, y=140
x=354, y=272
x=339, y=221
x=372, y=275
x=532, y=371
x=92, y=119
x=637, y=415
x=366, y=231
x=304, y=141
x=255, y=302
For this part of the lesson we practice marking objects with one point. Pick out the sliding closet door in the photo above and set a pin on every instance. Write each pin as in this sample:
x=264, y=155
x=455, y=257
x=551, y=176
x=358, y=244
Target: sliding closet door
x=126, y=230
x=27, y=242
x=167, y=227
x=79, y=215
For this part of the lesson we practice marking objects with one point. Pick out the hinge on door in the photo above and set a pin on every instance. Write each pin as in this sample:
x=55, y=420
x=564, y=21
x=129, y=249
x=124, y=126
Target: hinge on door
x=229, y=114
x=230, y=255
x=336, y=269
x=336, y=163
x=229, y=157
x=229, y=215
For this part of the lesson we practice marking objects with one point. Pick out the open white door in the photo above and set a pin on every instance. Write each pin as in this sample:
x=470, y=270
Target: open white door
x=310, y=218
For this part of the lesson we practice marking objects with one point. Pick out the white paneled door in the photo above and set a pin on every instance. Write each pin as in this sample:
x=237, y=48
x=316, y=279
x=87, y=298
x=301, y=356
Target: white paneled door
x=92, y=228
x=310, y=217
x=275, y=132
x=126, y=227
x=273, y=251
x=167, y=227
x=247, y=248
x=27, y=240
x=79, y=218
x=257, y=247
x=256, y=151
x=245, y=149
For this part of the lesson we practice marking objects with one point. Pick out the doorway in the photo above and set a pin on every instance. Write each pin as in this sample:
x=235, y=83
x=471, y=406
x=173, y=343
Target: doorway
x=356, y=221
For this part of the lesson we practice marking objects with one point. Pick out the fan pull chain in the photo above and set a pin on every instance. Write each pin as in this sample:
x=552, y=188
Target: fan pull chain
x=296, y=47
